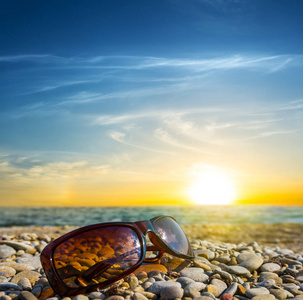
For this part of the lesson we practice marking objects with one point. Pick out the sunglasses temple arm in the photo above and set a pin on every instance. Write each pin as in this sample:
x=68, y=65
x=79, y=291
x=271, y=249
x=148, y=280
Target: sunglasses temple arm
x=157, y=257
x=101, y=267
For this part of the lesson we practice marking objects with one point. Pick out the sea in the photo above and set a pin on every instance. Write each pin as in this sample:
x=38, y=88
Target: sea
x=185, y=215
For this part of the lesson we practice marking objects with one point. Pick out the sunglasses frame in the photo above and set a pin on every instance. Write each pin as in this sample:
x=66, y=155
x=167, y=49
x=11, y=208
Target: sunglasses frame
x=141, y=228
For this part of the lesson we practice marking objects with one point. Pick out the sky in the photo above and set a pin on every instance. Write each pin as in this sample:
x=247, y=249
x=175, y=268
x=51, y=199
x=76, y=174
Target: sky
x=134, y=102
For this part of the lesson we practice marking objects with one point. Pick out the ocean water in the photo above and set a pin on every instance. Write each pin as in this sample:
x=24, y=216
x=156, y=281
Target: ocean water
x=79, y=216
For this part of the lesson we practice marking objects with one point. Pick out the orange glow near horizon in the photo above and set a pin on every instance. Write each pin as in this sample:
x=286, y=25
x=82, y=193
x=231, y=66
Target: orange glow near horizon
x=198, y=184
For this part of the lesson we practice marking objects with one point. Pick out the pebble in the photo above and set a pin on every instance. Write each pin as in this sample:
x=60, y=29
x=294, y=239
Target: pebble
x=95, y=295
x=171, y=291
x=212, y=289
x=219, y=284
x=33, y=261
x=250, y=261
x=5, y=297
x=6, y=251
x=8, y=285
x=133, y=282
x=256, y=292
x=31, y=275
x=210, y=255
x=203, y=297
x=184, y=281
x=25, y=295
x=270, y=267
x=279, y=294
x=8, y=271
x=79, y=297
x=226, y=297
x=17, y=266
x=193, y=289
x=17, y=245
x=238, y=270
x=196, y=274
x=114, y=297
x=25, y=284
x=138, y=296
x=231, y=290
x=158, y=286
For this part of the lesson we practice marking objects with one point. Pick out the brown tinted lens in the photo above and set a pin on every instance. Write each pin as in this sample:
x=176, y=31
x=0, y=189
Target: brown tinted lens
x=97, y=255
x=172, y=234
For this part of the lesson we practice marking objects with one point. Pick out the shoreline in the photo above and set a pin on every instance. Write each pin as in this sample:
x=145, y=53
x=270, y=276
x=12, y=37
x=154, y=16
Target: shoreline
x=283, y=235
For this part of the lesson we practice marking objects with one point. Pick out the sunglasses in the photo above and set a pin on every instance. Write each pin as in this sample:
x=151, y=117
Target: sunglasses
x=95, y=256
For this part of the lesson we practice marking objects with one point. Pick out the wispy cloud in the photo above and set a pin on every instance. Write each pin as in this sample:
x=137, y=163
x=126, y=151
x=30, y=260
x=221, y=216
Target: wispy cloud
x=28, y=170
x=293, y=105
x=270, y=133
x=145, y=62
x=34, y=58
x=120, y=137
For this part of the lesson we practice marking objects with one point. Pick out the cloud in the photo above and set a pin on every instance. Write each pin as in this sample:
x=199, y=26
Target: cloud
x=118, y=136
x=165, y=137
x=34, y=58
x=270, y=133
x=293, y=105
x=26, y=169
x=274, y=63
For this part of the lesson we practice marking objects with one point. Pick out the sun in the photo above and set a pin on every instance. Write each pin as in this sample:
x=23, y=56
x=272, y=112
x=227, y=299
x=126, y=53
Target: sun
x=212, y=187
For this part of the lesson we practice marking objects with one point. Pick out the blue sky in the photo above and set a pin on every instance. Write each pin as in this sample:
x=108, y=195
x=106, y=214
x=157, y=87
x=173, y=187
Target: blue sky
x=100, y=96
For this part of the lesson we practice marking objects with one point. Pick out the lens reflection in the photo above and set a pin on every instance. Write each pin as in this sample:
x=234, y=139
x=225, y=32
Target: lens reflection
x=97, y=255
x=172, y=234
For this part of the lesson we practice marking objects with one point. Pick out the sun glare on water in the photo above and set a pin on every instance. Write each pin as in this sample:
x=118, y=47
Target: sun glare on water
x=212, y=188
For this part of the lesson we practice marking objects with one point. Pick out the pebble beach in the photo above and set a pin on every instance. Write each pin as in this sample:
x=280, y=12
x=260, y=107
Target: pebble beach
x=256, y=261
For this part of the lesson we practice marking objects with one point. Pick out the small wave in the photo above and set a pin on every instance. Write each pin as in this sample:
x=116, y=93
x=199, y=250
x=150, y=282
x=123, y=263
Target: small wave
x=185, y=215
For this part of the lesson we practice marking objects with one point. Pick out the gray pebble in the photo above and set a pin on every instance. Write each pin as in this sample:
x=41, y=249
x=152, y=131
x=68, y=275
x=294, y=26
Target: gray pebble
x=80, y=297
x=210, y=254
x=33, y=261
x=250, y=261
x=25, y=295
x=115, y=297
x=25, y=284
x=204, y=298
x=8, y=285
x=256, y=292
x=238, y=270
x=158, y=286
x=220, y=285
x=231, y=290
x=210, y=295
x=193, y=289
x=96, y=295
x=279, y=293
x=3, y=279
x=18, y=267
x=6, y=251
x=16, y=245
x=184, y=281
x=268, y=283
x=196, y=274
x=138, y=296
x=285, y=251
x=171, y=291
x=36, y=291
x=224, y=275
x=5, y=297
x=270, y=267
